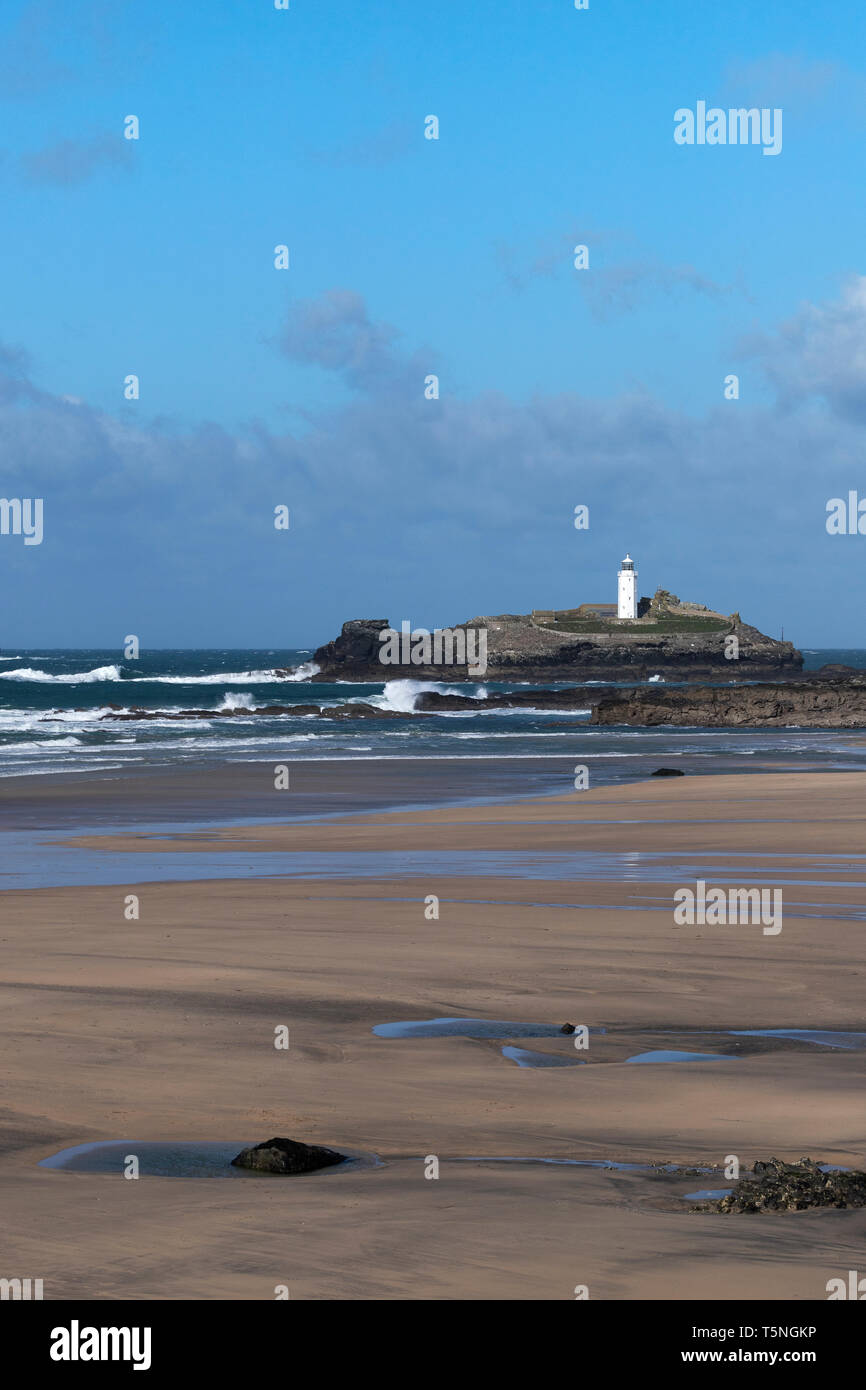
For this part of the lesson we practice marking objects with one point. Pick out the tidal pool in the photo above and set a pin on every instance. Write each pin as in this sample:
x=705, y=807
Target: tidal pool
x=507, y=1029
x=672, y=1056
x=159, y=1159
x=469, y=1028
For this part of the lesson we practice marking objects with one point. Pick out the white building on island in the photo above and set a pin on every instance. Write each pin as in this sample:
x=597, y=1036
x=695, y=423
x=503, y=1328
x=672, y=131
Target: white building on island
x=626, y=597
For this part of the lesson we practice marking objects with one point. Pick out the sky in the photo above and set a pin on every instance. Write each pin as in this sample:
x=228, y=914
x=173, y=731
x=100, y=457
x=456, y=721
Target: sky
x=409, y=257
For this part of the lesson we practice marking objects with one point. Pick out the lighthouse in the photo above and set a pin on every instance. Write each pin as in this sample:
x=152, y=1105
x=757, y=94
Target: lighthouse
x=626, y=597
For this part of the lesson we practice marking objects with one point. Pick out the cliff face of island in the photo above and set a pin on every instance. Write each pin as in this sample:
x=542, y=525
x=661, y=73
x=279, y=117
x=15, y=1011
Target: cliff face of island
x=672, y=639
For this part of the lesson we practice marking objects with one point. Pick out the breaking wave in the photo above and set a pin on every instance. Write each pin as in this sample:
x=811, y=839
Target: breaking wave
x=27, y=673
x=217, y=678
x=304, y=672
x=400, y=696
x=115, y=673
x=236, y=701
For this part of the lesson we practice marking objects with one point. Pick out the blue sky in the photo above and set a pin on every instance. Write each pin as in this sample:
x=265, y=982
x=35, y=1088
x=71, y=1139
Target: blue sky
x=410, y=256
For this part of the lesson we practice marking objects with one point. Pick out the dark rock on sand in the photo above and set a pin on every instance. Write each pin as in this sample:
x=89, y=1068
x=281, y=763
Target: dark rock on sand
x=286, y=1156
x=668, y=772
x=568, y=1028
x=779, y=1186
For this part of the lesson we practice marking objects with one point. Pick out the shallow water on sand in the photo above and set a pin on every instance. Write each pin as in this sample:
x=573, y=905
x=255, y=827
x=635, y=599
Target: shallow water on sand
x=158, y=1159
x=609, y=1164
x=38, y=860
x=163, y=1159
x=481, y=1028
x=523, y=1058
x=849, y=1042
x=672, y=1056
x=468, y=1028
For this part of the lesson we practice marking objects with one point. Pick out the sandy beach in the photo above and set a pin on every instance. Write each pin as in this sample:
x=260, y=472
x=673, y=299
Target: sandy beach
x=163, y=1028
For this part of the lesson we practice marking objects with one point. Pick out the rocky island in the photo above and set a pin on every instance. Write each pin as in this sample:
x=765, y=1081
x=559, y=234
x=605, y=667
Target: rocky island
x=668, y=637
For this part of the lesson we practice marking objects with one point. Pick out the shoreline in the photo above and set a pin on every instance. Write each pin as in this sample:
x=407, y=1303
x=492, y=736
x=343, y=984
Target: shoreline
x=327, y=787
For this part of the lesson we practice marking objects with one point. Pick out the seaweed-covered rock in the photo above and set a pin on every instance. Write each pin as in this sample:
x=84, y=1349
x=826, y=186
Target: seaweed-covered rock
x=286, y=1156
x=779, y=1186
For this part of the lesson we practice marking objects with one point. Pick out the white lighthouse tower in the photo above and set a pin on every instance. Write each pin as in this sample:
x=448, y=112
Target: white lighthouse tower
x=626, y=597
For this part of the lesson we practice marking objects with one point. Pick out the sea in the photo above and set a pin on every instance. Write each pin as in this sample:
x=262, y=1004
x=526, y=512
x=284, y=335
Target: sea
x=55, y=708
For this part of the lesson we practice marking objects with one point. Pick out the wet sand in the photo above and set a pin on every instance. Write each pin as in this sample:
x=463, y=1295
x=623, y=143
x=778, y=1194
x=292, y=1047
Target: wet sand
x=787, y=814
x=199, y=791
x=163, y=1028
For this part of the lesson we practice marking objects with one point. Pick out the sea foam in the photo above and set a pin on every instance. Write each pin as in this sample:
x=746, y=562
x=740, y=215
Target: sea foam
x=400, y=696
x=28, y=673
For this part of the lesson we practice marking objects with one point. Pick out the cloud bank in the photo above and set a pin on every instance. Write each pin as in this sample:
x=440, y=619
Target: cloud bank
x=446, y=501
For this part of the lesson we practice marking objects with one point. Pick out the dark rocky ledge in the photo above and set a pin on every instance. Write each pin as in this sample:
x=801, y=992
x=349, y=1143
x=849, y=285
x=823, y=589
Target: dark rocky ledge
x=353, y=711
x=815, y=703
x=573, y=697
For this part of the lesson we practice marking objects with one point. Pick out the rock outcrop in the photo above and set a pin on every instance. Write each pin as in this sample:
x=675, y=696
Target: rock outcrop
x=356, y=710
x=355, y=649
x=814, y=704
x=679, y=641
x=286, y=1156
x=573, y=697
